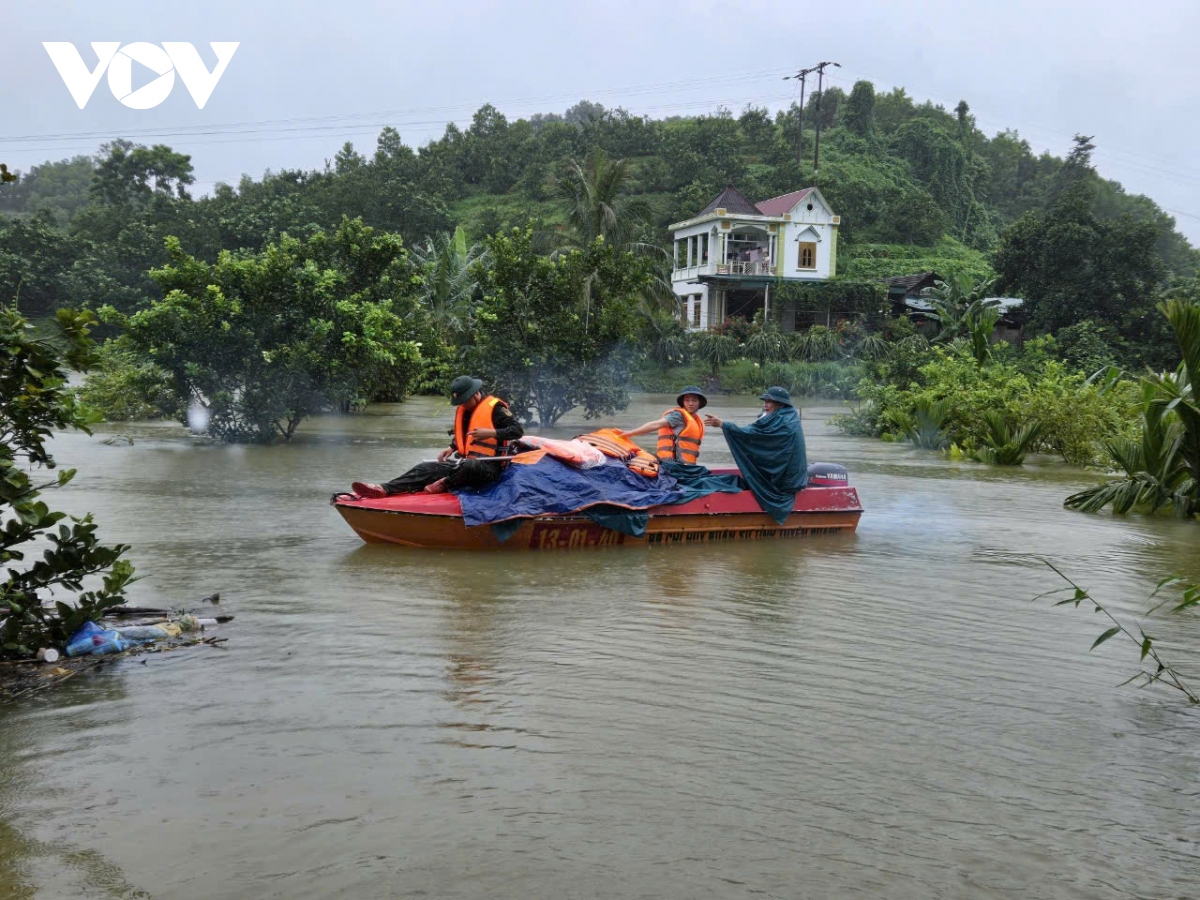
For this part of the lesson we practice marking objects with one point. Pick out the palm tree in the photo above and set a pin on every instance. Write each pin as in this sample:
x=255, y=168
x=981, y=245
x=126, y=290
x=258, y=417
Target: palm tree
x=716, y=349
x=924, y=425
x=768, y=344
x=448, y=290
x=597, y=203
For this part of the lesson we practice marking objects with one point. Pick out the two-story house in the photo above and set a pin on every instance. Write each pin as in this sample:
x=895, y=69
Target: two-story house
x=731, y=254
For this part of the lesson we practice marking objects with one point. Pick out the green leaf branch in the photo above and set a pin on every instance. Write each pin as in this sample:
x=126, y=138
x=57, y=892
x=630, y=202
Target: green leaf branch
x=1158, y=670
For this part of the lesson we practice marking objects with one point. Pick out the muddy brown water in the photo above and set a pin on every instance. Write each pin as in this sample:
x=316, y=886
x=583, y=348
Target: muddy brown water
x=878, y=715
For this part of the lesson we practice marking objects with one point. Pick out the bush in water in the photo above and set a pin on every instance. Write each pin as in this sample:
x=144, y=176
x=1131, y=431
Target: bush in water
x=34, y=400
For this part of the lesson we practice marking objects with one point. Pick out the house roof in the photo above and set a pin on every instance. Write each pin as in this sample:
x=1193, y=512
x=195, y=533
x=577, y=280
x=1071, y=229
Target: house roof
x=731, y=200
x=783, y=204
x=911, y=283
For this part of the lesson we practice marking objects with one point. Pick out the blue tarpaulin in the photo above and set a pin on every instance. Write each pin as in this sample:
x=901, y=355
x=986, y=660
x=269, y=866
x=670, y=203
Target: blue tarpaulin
x=552, y=486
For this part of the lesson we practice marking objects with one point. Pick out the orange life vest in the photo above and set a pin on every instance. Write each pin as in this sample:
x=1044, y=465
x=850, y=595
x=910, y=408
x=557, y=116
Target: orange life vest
x=612, y=443
x=481, y=417
x=686, y=446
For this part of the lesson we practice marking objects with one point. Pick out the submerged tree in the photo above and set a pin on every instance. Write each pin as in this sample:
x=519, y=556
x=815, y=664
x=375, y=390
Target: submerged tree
x=554, y=334
x=261, y=341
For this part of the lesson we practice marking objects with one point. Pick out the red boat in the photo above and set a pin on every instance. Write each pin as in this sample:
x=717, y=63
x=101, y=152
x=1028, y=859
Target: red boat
x=827, y=506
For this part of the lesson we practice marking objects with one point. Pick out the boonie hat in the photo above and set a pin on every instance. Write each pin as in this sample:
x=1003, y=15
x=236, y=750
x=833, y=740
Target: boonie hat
x=778, y=394
x=692, y=389
x=463, y=388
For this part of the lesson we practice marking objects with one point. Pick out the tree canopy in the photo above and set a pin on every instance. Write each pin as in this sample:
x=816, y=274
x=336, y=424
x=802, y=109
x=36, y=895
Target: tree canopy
x=257, y=342
x=556, y=333
x=909, y=179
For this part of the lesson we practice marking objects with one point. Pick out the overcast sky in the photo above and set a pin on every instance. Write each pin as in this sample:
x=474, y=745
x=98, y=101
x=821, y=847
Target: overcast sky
x=308, y=76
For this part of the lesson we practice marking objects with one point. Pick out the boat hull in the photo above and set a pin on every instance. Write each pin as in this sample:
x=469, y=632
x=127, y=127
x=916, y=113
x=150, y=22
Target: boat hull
x=435, y=521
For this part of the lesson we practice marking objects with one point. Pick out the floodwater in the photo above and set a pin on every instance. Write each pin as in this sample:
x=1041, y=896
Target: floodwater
x=879, y=715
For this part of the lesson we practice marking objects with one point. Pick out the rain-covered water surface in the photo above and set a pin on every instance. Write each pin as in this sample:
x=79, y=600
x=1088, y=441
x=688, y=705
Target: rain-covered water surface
x=878, y=715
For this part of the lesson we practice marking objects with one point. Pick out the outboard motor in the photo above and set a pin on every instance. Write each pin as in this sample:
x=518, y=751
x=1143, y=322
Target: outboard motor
x=827, y=475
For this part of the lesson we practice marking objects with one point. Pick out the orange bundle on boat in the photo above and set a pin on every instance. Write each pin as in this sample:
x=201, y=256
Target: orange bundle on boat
x=575, y=452
x=611, y=442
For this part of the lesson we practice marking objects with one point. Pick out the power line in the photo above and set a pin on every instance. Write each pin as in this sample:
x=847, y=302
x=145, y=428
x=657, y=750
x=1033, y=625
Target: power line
x=270, y=124
x=300, y=132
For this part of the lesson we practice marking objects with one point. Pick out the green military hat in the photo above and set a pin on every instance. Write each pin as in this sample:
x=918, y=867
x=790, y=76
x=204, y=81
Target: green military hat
x=463, y=388
x=692, y=389
x=778, y=394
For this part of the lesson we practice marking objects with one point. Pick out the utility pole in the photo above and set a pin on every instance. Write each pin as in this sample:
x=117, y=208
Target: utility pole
x=800, y=76
x=820, y=67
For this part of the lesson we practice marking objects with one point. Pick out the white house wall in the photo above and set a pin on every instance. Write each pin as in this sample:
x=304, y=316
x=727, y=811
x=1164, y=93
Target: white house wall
x=695, y=306
x=821, y=220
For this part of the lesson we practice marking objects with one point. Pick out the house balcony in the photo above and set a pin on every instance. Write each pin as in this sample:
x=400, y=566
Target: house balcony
x=758, y=269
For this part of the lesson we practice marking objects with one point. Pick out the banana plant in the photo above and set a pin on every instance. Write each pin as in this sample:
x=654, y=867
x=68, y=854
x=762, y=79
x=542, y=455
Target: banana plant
x=1162, y=467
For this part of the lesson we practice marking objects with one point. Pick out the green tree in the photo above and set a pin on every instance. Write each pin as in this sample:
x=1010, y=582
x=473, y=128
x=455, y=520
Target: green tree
x=448, y=284
x=261, y=341
x=1072, y=265
x=34, y=402
x=35, y=263
x=130, y=174
x=596, y=200
x=962, y=311
x=859, y=112
x=715, y=348
x=554, y=334
x=58, y=188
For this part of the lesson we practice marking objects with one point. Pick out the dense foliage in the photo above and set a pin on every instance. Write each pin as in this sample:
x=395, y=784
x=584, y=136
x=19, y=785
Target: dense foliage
x=1162, y=464
x=35, y=401
x=918, y=188
x=1014, y=403
x=555, y=333
x=258, y=341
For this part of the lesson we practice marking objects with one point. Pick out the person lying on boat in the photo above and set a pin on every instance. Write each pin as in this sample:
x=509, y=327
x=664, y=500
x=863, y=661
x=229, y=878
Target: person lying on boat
x=483, y=432
x=769, y=452
x=680, y=429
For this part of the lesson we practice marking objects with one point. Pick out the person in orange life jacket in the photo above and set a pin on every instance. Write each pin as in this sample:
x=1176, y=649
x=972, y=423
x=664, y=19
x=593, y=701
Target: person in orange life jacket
x=483, y=430
x=680, y=429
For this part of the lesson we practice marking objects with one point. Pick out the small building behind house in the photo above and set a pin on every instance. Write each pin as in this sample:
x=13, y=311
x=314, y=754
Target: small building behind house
x=912, y=296
x=904, y=289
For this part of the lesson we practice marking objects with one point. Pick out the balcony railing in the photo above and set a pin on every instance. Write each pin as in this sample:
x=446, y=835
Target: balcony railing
x=763, y=267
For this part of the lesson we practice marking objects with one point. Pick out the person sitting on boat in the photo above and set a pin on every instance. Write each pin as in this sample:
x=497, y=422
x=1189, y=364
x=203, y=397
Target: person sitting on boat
x=680, y=429
x=484, y=429
x=769, y=452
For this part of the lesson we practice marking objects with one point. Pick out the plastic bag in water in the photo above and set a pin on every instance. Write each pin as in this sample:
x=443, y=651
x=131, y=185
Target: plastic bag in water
x=92, y=640
x=144, y=634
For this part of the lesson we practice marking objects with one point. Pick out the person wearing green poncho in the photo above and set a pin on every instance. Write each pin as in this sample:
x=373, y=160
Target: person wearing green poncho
x=770, y=452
